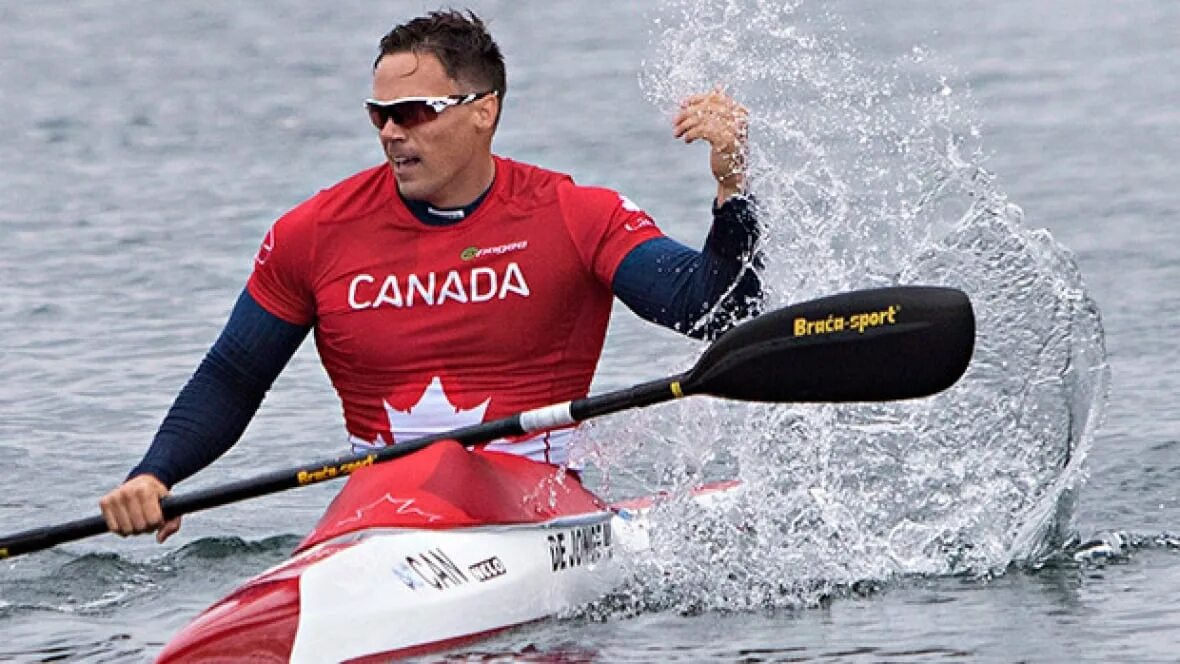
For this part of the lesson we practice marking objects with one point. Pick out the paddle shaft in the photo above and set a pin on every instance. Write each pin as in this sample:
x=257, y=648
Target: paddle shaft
x=539, y=419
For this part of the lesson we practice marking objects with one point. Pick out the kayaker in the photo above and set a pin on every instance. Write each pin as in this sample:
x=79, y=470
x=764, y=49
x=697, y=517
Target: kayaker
x=450, y=285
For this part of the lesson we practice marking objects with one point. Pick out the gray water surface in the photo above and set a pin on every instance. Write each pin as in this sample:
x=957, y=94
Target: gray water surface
x=146, y=148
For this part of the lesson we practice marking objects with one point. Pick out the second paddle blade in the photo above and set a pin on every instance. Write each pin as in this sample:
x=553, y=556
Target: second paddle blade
x=873, y=345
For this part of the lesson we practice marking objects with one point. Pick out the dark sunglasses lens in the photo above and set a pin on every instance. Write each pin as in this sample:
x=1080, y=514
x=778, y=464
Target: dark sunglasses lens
x=406, y=114
x=376, y=115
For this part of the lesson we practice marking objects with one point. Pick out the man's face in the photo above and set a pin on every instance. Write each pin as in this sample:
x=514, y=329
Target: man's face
x=444, y=161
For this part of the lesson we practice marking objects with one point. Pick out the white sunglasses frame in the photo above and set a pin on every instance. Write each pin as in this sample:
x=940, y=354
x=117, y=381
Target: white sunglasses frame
x=438, y=104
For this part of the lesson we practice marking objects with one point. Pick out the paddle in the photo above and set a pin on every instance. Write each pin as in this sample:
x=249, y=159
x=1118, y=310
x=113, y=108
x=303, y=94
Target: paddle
x=874, y=345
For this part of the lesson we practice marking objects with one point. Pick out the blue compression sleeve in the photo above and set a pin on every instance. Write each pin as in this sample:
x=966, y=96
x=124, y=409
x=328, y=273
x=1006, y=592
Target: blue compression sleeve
x=700, y=294
x=213, y=409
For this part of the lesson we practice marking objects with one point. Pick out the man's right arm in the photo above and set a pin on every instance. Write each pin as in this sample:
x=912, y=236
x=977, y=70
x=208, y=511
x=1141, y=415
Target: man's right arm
x=209, y=414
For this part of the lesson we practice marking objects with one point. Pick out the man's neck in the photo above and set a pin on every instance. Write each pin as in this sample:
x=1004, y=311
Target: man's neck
x=470, y=184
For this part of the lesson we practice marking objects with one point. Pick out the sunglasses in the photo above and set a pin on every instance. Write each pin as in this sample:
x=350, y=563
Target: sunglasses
x=409, y=112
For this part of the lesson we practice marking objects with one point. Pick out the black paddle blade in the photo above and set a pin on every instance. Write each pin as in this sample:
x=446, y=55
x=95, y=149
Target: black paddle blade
x=872, y=345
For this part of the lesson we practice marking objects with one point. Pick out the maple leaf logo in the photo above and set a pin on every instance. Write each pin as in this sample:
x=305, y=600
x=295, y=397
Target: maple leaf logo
x=434, y=413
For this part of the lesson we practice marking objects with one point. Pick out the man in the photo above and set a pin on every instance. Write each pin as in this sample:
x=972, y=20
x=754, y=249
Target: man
x=450, y=286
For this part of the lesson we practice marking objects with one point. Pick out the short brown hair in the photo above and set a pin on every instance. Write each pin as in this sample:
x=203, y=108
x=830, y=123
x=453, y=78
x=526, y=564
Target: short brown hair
x=460, y=42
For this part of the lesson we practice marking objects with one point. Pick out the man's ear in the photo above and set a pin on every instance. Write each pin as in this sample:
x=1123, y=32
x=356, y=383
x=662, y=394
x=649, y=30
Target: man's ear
x=486, y=110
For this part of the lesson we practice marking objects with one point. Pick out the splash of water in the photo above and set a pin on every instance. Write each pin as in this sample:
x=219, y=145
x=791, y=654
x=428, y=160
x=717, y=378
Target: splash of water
x=867, y=174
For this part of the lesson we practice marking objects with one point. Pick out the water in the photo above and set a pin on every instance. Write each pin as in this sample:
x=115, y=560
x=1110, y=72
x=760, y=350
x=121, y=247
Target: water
x=147, y=149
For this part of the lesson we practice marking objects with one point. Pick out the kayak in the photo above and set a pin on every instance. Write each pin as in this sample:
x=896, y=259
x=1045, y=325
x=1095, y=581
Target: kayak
x=427, y=552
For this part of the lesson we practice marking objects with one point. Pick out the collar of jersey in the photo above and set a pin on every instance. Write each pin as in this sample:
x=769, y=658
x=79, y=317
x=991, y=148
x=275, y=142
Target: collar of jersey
x=432, y=216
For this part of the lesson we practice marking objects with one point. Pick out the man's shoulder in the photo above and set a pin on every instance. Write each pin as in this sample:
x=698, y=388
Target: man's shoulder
x=542, y=185
x=352, y=198
x=528, y=184
x=594, y=201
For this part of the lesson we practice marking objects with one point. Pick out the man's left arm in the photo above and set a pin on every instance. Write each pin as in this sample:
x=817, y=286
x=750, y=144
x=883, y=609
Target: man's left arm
x=700, y=294
x=703, y=294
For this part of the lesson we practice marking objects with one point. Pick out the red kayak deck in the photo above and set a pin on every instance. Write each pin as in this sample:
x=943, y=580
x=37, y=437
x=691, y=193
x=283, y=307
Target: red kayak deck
x=447, y=486
x=443, y=486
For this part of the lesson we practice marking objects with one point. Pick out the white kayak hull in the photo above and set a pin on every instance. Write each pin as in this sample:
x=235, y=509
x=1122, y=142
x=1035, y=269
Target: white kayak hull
x=439, y=587
x=486, y=542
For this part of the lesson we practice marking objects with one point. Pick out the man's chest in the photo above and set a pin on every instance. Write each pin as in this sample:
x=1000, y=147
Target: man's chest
x=398, y=298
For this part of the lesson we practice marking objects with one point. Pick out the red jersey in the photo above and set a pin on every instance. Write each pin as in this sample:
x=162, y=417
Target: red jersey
x=426, y=328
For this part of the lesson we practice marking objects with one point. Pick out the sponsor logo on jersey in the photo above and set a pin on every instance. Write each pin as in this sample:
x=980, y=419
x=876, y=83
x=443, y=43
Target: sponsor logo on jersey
x=471, y=253
x=479, y=284
x=268, y=246
x=642, y=221
x=636, y=224
x=629, y=205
